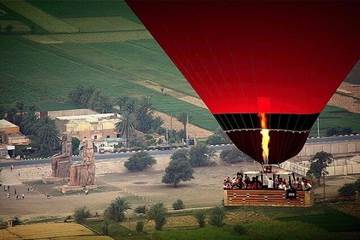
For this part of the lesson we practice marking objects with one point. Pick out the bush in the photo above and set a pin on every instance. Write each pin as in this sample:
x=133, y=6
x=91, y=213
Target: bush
x=139, y=161
x=200, y=155
x=81, y=214
x=157, y=213
x=16, y=221
x=215, y=139
x=178, y=204
x=200, y=218
x=140, y=209
x=217, y=216
x=233, y=155
x=105, y=227
x=139, y=227
x=239, y=229
x=116, y=210
x=349, y=189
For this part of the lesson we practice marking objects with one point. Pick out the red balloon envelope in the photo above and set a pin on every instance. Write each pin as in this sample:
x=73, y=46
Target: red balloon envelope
x=265, y=69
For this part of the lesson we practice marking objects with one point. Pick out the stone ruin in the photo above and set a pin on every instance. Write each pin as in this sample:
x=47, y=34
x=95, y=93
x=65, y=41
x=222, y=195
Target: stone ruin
x=61, y=162
x=83, y=174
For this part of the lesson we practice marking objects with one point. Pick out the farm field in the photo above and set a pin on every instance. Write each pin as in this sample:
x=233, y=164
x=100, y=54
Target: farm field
x=56, y=231
x=318, y=222
x=107, y=56
x=44, y=69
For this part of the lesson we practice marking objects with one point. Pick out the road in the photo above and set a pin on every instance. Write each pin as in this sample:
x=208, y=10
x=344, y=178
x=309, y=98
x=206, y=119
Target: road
x=111, y=156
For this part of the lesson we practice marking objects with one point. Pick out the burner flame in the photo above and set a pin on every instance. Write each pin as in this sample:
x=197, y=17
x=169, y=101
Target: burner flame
x=265, y=140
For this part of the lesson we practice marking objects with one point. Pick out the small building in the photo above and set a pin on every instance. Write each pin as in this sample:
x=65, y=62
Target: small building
x=10, y=137
x=90, y=126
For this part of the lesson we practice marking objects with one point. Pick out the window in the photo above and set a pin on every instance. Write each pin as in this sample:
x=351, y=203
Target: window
x=95, y=137
x=107, y=136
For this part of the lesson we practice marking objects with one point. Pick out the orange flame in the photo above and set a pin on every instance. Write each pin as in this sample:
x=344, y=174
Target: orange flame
x=265, y=137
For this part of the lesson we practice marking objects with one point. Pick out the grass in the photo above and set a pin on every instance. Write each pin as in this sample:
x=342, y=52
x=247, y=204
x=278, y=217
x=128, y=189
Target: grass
x=44, y=75
x=332, y=117
x=85, y=8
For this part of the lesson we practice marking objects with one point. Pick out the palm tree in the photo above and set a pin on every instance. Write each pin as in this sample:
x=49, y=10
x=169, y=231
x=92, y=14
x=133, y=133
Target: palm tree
x=126, y=126
x=48, y=136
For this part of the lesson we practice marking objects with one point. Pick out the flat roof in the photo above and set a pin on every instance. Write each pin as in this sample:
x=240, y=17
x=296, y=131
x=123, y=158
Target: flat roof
x=88, y=117
x=6, y=124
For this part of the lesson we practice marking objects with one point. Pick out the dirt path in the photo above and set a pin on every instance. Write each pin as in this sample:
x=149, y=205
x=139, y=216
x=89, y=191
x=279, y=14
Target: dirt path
x=173, y=123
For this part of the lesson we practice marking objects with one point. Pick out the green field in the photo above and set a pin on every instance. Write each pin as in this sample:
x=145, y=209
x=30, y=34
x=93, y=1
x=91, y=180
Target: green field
x=43, y=74
x=317, y=222
x=85, y=8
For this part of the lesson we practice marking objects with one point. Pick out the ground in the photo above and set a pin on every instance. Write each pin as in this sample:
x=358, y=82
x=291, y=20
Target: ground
x=114, y=180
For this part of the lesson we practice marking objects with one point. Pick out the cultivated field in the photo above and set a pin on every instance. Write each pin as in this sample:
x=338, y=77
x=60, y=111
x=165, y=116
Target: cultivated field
x=110, y=59
x=41, y=18
x=56, y=231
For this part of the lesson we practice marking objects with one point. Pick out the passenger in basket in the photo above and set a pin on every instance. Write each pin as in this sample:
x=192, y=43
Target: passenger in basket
x=270, y=184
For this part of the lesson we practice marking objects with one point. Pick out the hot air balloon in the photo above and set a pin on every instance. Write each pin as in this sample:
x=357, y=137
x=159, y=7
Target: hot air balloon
x=265, y=69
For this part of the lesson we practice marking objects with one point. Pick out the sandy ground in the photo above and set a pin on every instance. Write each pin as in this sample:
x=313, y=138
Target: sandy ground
x=205, y=190
x=140, y=188
x=173, y=123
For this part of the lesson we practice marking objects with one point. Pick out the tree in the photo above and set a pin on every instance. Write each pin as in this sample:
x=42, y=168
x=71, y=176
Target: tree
x=349, y=189
x=139, y=226
x=81, y=214
x=126, y=126
x=217, y=216
x=9, y=28
x=184, y=118
x=318, y=165
x=200, y=155
x=233, y=155
x=157, y=213
x=179, y=169
x=139, y=161
x=75, y=143
x=178, y=205
x=200, y=217
x=116, y=210
x=48, y=136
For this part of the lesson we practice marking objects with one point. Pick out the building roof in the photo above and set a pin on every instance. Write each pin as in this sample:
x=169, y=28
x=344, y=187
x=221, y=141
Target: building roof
x=6, y=124
x=91, y=117
x=72, y=112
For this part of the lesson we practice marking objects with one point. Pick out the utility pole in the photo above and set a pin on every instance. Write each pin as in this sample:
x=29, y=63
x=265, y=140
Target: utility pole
x=186, y=129
x=318, y=127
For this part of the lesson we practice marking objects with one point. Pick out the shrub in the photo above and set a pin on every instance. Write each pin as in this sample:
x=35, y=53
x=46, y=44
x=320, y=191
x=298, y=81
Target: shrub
x=105, y=227
x=157, y=213
x=140, y=209
x=16, y=220
x=139, y=226
x=81, y=214
x=178, y=204
x=139, y=161
x=349, y=189
x=200, y=155
x=239, y=229
x=217, y=216
x=215, y=139
x=200, y=218
x=233, y=155
x=116, y=210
